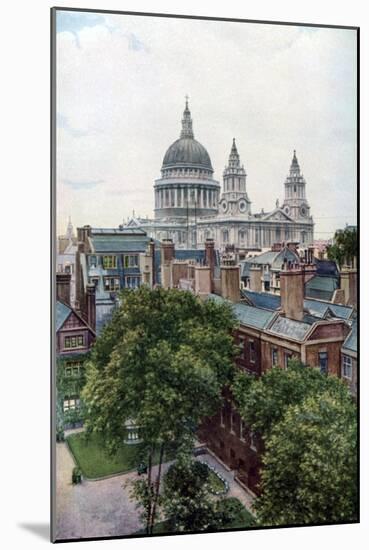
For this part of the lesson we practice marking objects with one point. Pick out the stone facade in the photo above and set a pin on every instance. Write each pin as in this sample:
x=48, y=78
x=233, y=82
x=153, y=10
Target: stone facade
x=189, y=207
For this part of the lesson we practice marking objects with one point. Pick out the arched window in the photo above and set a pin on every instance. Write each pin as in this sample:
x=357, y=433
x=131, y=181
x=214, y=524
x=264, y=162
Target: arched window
x=225, y=235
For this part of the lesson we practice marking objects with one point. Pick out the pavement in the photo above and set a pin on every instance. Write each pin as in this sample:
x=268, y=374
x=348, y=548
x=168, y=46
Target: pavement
x=103, y=508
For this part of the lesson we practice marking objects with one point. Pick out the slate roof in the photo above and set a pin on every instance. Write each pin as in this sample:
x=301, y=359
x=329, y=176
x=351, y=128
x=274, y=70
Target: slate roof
x=321, y=287
x=191, y=254
x=319, y=309
x=62, y=312
x=297, y=330
x=350, y=343
x=119, y=243
x=316, y=308
x=263, y=299
x=274, y=259
x=326, y=268
x=248, y=315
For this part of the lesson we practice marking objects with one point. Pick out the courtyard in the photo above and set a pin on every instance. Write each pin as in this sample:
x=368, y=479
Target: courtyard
x=102, y=508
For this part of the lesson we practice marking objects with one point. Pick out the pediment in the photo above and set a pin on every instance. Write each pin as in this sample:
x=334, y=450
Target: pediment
x=132, y=223
x=278, y=215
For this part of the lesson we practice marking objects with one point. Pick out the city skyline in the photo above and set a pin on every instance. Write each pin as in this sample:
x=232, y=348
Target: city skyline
x=109, y=155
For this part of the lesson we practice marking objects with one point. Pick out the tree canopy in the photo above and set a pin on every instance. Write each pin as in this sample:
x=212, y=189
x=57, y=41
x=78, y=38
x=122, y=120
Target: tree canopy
x=344, y=249
x=262, y=402
x=309, y=467
x=161, y=362
x=308, y=425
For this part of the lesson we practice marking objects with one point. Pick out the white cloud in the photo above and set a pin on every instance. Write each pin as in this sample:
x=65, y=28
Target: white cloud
x=273, y=88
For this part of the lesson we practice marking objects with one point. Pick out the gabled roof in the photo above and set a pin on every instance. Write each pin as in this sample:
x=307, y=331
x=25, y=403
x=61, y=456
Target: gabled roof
x=247, y=315
x=321, y=309
x=317, y=308
x=62, y=312
x=297, y=330
x=350, y=343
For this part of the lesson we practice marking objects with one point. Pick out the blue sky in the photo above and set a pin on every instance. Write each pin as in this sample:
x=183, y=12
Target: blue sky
x=121, y=82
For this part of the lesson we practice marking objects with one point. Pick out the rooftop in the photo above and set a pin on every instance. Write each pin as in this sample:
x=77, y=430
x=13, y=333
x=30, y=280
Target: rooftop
x=62, y=312
x=297, y=330
x=350, y=343
x=247, y=315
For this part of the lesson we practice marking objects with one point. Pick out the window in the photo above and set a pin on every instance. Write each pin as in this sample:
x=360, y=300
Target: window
x=92, y=261
x=225, y=236
x=111, y=284
x=131, y=260
x=71, y=403
x=71, y=342
x=233, y=422
x=346, y=367
x=222, y=423
x=252, y=351
x=132, y=281
x=109, y=262
x=323, y=362
x=274, y=357
x=243, y=430
x=73, y=368
x=287, y=357
x=253, y=441
x=241, y=345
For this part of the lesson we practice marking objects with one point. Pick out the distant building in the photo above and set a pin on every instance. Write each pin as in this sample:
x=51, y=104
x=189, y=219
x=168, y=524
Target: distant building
x=110, y=260
x=190, y=207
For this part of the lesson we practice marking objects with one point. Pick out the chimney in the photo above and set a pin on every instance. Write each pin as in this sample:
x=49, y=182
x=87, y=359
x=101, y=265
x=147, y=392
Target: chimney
x=292, y=291
x=63, y=287
x=91, y=305
x=255, y=278
x=210, y=260
x=230, y=281
x=167, y=256
x=202, y=280
x=152, y=254
x=348, y=284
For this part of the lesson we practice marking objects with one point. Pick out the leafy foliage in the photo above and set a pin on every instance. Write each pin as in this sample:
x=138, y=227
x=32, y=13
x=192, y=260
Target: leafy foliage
x=188, y=502
x=308, y=424
x=162, y=362
x=345, y=247
x=309, y=473
x=262, y=402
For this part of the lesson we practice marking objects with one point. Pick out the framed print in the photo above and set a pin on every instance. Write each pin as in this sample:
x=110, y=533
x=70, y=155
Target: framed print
x=205, y=372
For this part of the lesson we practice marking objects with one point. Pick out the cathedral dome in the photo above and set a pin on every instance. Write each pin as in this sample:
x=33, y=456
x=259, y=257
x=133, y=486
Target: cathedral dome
x=186, y=151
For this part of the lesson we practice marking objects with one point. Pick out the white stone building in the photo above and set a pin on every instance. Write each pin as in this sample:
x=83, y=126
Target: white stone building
x=189, y=205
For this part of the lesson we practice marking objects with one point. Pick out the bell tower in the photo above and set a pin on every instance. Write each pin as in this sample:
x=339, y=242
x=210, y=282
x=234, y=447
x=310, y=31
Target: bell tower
x=295, y=204
x=234, y=199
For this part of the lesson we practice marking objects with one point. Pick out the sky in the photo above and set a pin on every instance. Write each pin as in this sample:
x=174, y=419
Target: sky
x=121, y=86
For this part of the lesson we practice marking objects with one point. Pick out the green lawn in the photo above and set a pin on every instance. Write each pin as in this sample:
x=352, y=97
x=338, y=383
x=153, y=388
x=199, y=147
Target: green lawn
x=96, y=462
x=216, y=484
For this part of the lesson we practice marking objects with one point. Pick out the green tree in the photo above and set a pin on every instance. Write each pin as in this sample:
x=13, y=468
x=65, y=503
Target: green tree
x=262, y=402
x=188, y=502
x=162, y=362
x=307, y=422
x=309, y=465
x=344, y=249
